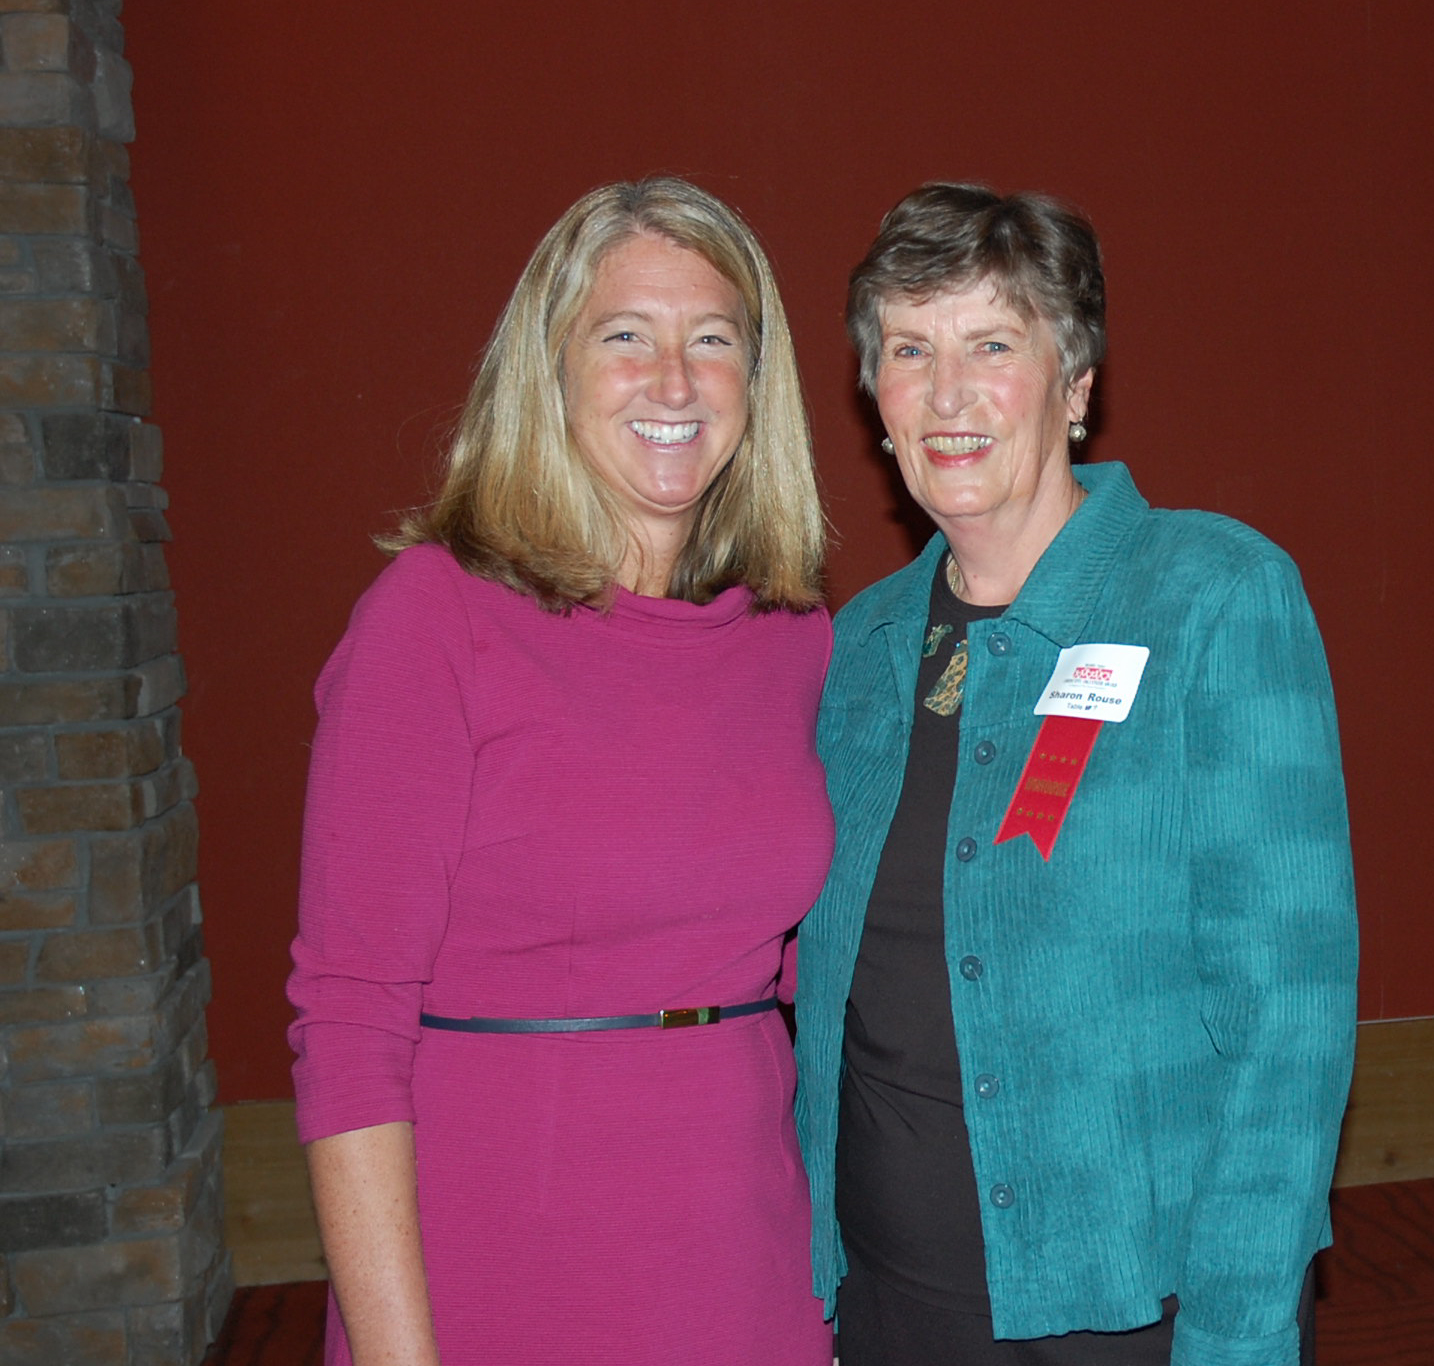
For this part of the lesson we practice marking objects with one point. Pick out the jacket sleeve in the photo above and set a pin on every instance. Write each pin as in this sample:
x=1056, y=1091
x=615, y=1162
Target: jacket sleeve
x=1275, y=943
x=388, y=794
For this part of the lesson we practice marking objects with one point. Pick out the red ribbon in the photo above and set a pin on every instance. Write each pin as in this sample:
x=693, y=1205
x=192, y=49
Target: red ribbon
x=1049, y=781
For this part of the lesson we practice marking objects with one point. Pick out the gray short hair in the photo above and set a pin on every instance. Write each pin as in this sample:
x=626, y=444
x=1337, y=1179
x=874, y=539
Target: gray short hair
x=1041, y=255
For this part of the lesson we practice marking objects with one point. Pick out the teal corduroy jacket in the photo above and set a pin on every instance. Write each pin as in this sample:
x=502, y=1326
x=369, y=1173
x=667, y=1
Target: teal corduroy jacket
x=1161, y=1016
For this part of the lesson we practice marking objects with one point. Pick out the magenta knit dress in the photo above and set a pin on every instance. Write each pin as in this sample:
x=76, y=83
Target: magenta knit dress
x=516, y=813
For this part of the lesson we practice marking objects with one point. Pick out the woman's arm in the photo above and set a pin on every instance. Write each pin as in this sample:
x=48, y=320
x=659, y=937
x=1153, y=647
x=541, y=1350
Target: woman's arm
x=1274, y=938
x=389, y=786
x=366, y=1196
x=365, y=1193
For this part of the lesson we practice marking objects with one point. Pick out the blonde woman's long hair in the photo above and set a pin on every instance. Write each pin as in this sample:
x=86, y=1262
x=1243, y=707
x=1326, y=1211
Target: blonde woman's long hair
x=519, y=504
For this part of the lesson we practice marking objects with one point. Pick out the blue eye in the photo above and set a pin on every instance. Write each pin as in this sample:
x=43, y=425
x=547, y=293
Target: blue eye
x=621, y=337
x=712, y=339
x=994, y=347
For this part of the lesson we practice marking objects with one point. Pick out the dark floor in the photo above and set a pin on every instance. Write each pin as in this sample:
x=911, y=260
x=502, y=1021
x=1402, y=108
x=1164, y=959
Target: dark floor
x=1376, y=1305
x=273, y=1325
x=1375, y=1308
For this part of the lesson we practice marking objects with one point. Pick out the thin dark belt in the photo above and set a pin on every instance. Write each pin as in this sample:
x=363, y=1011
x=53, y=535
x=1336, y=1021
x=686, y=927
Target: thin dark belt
x=663, y=1019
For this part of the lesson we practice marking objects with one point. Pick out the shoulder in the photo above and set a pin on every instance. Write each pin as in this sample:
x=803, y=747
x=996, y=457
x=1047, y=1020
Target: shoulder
x=1168, y=548
x=812, y=635
x=1190, y=562
x=425, y=589
x=416, y=618
x=812, y=628
x=1224, y=601
x=1208, y=537
x=421, y=574
x=864, y=608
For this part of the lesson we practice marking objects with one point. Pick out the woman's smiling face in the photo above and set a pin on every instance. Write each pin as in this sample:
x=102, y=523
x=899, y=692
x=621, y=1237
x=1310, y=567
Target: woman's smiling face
x=973, y=398
x=655, y=379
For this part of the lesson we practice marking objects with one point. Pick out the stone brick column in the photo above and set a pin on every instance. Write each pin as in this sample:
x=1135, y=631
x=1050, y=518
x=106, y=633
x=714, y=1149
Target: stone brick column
x=110, y=1227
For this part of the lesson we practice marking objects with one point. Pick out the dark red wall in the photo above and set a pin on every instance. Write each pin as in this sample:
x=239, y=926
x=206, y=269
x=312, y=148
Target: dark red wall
x=335, y=199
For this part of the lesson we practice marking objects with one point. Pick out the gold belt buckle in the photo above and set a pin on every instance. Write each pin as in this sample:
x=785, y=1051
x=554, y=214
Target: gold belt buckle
x=694, y=1015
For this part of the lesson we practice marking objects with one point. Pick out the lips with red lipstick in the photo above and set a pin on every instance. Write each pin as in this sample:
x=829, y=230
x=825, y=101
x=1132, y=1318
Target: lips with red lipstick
x=954, y=448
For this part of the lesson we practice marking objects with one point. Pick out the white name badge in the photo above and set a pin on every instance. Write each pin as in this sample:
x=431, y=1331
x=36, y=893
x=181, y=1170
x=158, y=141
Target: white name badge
x=1098, y=682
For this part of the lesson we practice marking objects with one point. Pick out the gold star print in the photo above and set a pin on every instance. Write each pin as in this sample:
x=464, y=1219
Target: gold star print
x=946, y=693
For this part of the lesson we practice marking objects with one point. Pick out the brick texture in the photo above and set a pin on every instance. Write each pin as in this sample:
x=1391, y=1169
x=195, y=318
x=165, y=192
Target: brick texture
x=42, y=208
x=53, y=513
x=14, y=572
x=35, y=42
x=88, y=446
x=53, y=1110
x=45, y=155
x=40, y=97
x=30, y=1221
x=30, y=911
x=76, y=1340
x=39, y=865
x=111, y=1240
x=23, y=1004
x=57, y=325
x=23, y=756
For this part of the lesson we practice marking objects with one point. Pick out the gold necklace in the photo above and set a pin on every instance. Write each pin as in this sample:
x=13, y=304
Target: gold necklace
x=954, y=581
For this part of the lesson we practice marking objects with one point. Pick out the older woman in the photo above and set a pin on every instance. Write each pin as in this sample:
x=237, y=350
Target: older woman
x=1076, y=1009
x=564, y=800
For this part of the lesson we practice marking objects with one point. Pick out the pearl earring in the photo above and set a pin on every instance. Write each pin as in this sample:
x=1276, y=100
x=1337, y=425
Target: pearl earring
x=887, y=446
x=1078, y=431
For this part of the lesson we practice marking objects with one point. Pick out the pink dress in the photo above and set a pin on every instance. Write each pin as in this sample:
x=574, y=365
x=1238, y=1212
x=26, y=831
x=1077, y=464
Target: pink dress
x=517, y=813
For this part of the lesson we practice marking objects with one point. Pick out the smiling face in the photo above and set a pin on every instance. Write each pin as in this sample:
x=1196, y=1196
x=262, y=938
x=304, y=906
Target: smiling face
x=655, y=380
x=972, y=397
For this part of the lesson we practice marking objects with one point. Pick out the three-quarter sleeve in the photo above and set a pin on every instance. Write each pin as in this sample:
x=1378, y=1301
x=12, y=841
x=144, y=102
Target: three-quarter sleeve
x=1275, y=944
x=389, y=789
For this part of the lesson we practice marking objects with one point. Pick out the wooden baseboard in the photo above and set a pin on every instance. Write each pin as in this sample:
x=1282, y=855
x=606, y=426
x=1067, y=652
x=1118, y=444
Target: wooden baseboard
x=1388, y=1136
x=1389, y=1126
x=268, y=1211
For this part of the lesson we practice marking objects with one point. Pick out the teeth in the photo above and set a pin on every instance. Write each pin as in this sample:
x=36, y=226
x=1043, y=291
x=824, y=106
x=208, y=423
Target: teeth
x=956, y=445
x=666, y=433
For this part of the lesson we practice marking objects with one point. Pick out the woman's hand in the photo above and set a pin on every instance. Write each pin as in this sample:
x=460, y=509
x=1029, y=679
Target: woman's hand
x=365, y=1192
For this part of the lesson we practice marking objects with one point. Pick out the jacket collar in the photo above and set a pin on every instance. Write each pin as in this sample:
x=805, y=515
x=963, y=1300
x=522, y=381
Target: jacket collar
x=1060, y=593
x=1062, y=589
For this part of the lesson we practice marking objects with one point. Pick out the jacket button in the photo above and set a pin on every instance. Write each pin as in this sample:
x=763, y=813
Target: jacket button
x=966, y=849
x=1003, y=1197
x=970, y=967
x=987, y=1086
x=999, y=643
x=985, y=752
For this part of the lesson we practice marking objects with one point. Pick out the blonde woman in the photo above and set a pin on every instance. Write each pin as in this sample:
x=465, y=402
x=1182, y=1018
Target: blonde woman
x=565, y=809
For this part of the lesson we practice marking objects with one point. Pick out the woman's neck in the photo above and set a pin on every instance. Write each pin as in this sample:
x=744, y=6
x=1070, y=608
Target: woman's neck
x=994, y=553
x=645, y=571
